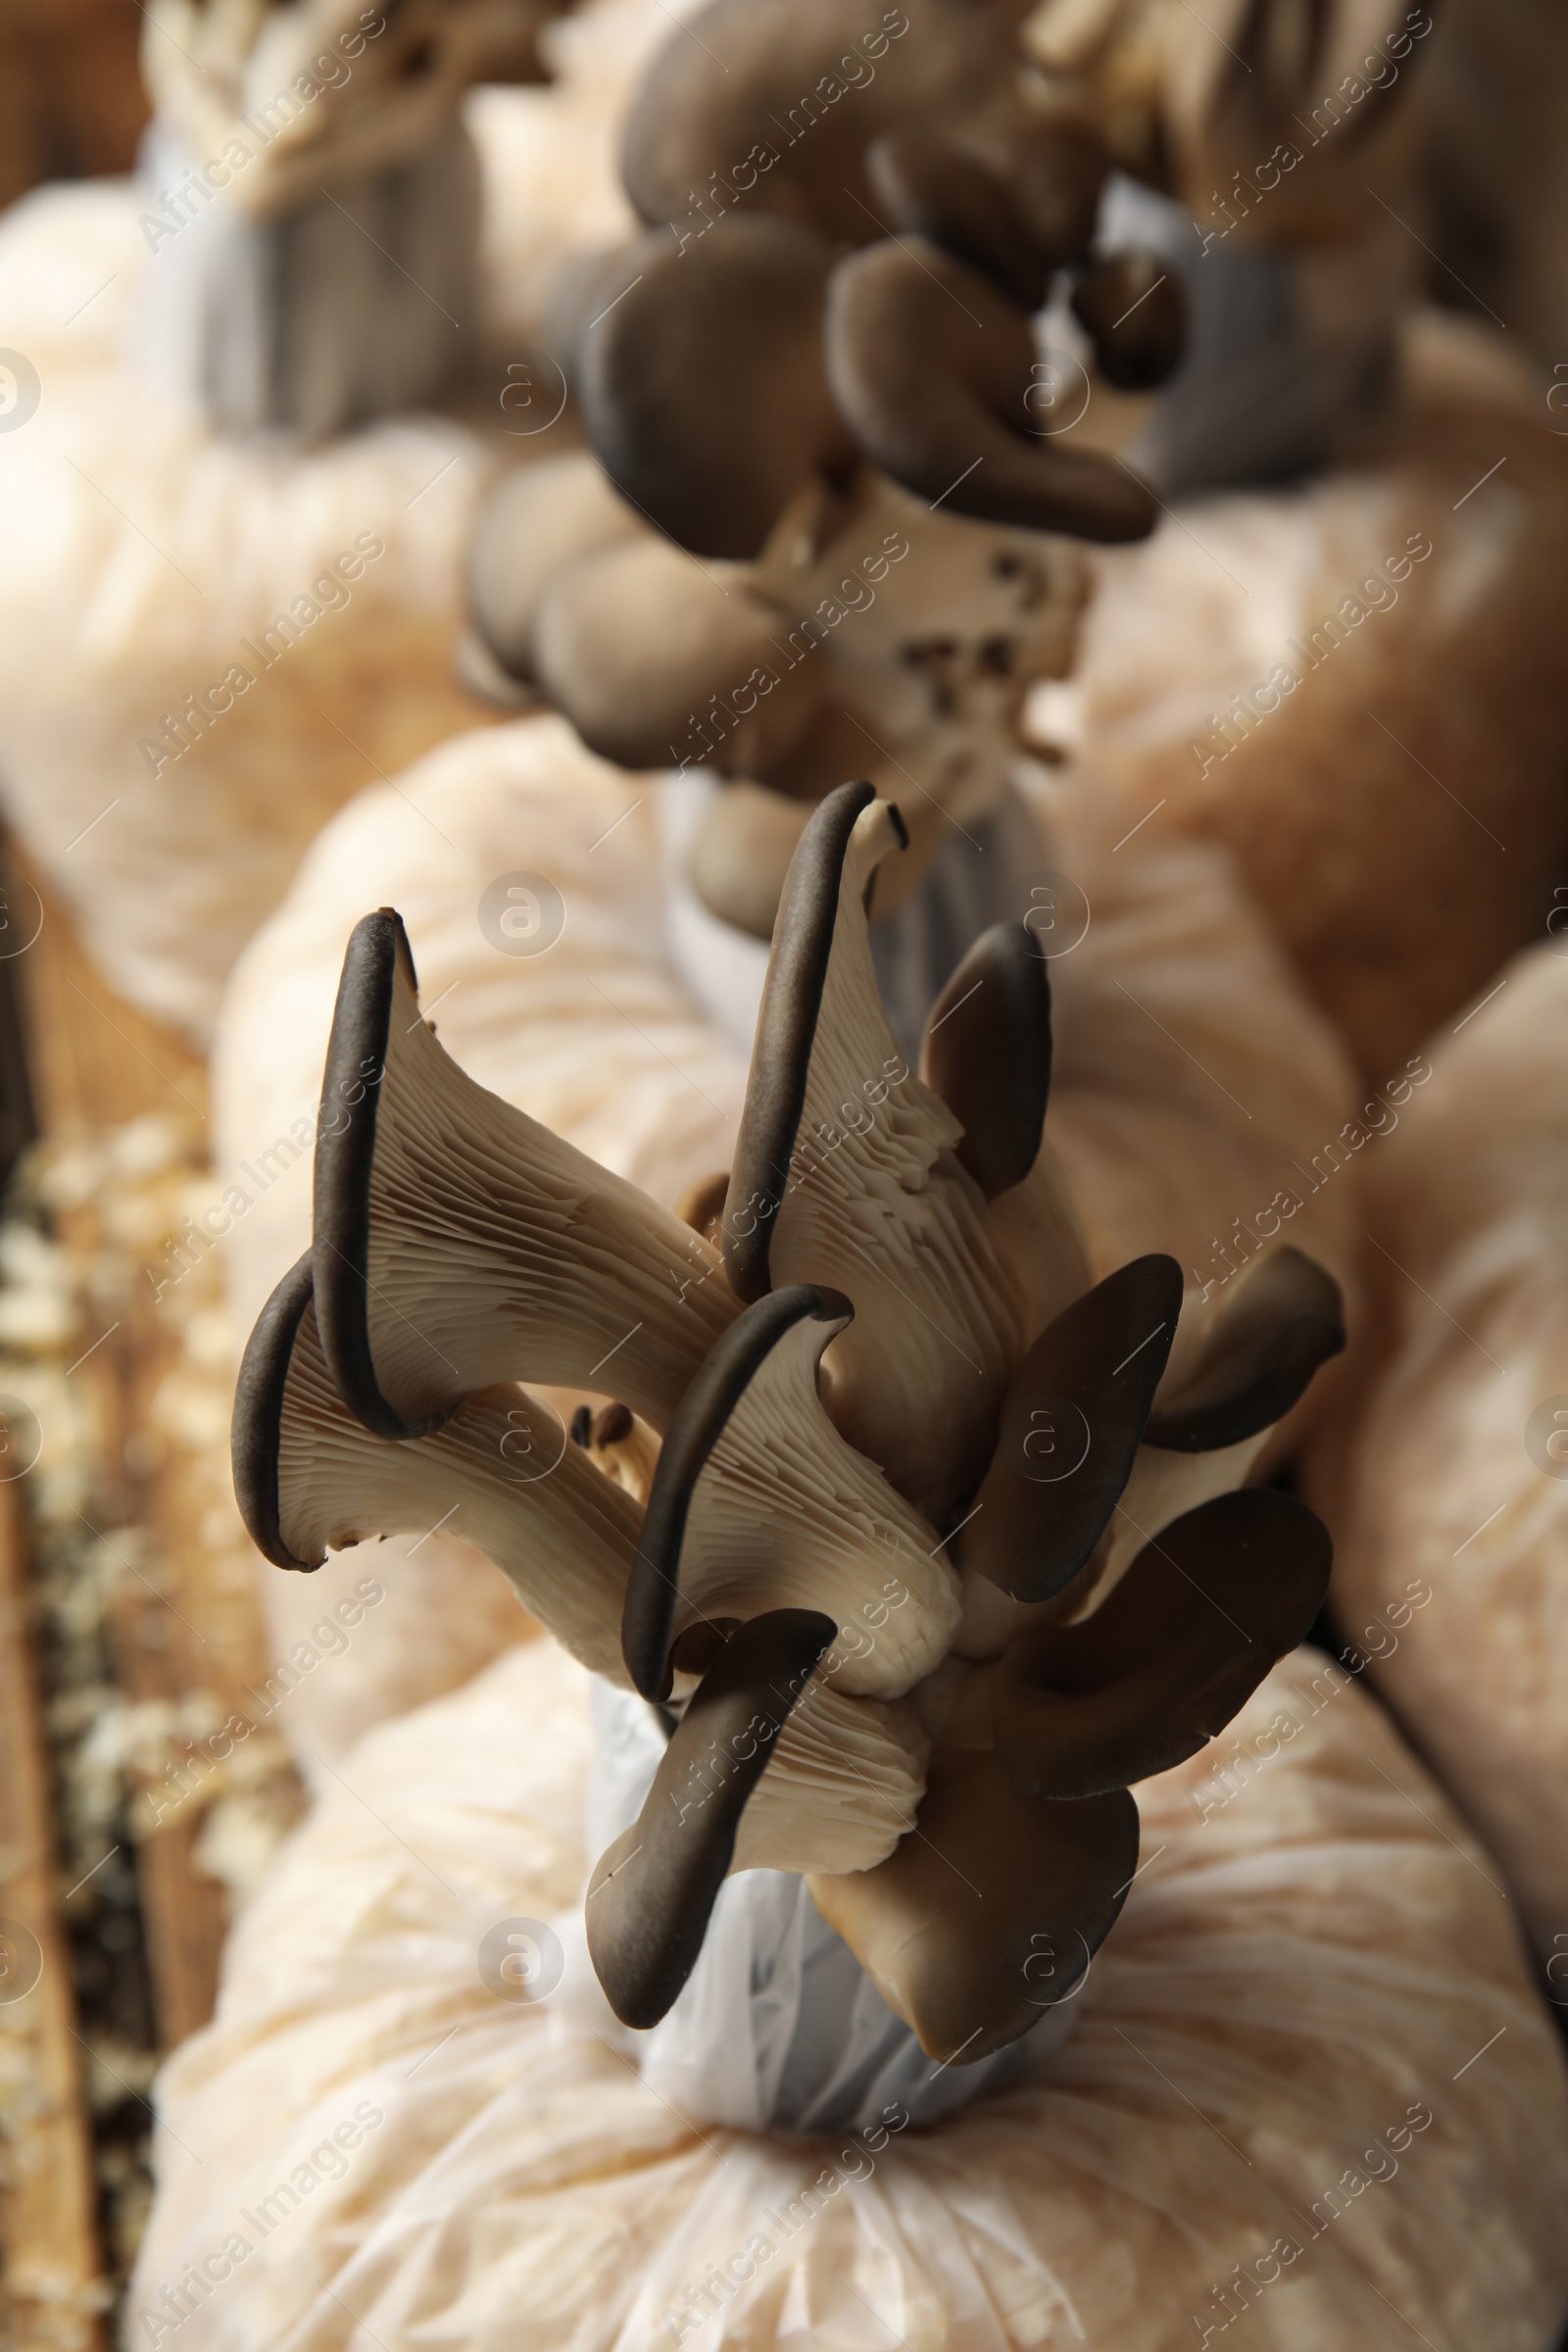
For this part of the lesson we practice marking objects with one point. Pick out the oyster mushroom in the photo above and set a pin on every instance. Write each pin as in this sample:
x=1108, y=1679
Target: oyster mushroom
x=537, y=521
x=845, y=1174
x=756, y=1490
x=458, y=1243
x=310, y=1480
x=758, y=108
x=931, y=364
x=847, y=1772
x=702, y=381
x=889, y=1735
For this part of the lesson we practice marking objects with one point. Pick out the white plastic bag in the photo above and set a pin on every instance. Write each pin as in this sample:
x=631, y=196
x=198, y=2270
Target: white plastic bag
x=1309, y=2079
x=1443, y=1477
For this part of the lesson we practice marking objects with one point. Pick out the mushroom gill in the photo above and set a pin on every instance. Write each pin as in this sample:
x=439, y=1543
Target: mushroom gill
x=846, y=1773
x=922, y=1369
x=845, y=1175
x=458, y=1242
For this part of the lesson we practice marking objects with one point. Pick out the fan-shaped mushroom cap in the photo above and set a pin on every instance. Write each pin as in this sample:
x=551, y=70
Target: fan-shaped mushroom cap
x=770, y=105
x=458, y=1242
x=1234, y=1374
x=845, y=1174
x=930, y=366
x=1253, y=1361
x=740, y=857
x=1017, y=205
x=639, y=645
x=759, y=1502
x=536, y=519
x=310, y=1480
x=702, y=384
x=1134, y=307
x=1167, y=1659
x=988, y=1055
x=649, y=1898
x=990, y=1913
x=1075, y=1411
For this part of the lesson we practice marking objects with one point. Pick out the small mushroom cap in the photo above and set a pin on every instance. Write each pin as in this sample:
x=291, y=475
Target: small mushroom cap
x=1101, y=1360
x=990, y=1913
x=257, y=1427
x=1134, y=308
x=930, y=365
x=537, y=519
x=740, y=857
x=634, y=643
x=792, y=1004
x=702, y=384
x=1165, y=1663
x=651, y=1895
x=1286, y=1320
x=988, y=1055
x=769, y=105
x=1017, y=208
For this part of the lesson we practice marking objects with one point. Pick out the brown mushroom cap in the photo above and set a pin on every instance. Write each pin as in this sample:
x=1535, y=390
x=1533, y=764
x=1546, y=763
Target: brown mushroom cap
x=845, y=1174
x=702, y=384
x=930, y=366
x=1134, y=310
x=1101, y=1360
x=757, y=1497
x=652, y=1891
x=458, y=1243
x=1017, y=206
x=988, y=1055
x=988, y=1914
x=641, y=648
x=1286, y=1320
x=769, y=106
x=1165, y=1663
x=537, y=519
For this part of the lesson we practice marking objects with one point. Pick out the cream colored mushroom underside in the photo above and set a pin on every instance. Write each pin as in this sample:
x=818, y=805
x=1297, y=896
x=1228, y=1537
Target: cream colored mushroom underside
x=501, y=1473
x=499, y=1251
x=786, y=1515
x=885, y=1215
x=844, y=1786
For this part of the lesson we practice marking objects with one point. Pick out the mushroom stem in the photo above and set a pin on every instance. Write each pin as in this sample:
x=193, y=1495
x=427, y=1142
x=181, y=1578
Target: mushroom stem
x=458, y=1243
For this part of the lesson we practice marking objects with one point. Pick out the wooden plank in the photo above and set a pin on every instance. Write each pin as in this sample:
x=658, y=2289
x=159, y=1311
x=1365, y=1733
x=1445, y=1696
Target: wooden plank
x=48, y=2193
x=187, y=1628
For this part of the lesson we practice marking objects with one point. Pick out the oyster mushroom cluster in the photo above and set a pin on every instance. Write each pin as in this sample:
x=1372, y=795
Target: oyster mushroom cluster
x=810, y=364
x=924, y=1546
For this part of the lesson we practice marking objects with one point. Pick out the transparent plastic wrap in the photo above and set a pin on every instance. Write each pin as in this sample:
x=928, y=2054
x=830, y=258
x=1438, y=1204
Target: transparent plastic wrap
x=1310, y=2088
